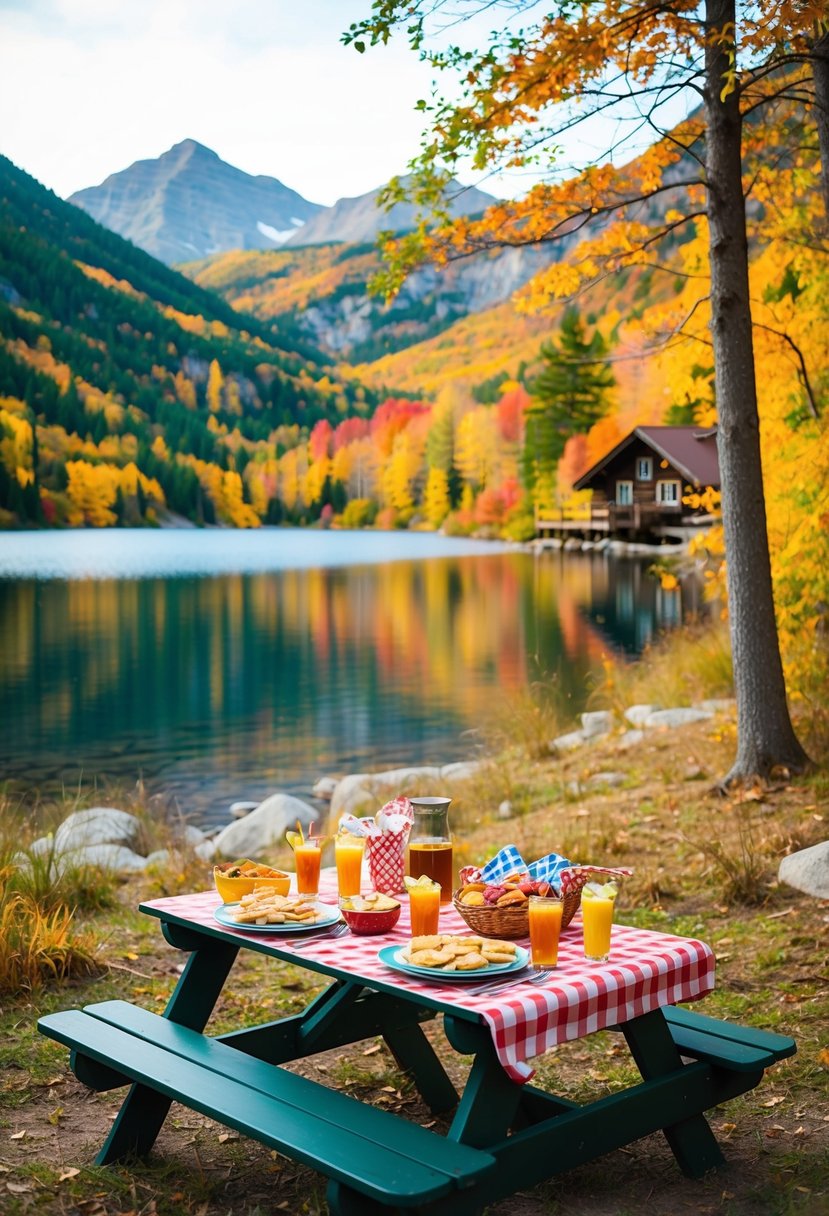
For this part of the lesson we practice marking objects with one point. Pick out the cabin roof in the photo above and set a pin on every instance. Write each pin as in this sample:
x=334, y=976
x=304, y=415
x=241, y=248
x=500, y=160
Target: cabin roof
x=692, y=450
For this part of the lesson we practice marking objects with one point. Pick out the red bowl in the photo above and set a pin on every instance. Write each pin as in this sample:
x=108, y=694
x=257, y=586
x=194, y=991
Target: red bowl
x=366, y=923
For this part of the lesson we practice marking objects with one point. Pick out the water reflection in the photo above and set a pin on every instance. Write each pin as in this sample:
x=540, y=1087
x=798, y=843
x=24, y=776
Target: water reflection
x=218, y=688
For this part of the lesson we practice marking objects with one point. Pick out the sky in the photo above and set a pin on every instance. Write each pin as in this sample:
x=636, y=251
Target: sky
x=89, y=86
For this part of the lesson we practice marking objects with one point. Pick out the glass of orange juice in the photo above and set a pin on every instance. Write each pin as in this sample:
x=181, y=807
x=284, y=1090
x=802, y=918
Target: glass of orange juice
x=307, y=857
x=598, y=901
x=348, y=855
x=545, y=926
x=424, y=905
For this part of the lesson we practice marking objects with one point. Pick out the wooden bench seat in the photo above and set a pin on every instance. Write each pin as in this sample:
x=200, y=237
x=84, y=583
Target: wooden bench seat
x=727, y=1044
x=371, y=1151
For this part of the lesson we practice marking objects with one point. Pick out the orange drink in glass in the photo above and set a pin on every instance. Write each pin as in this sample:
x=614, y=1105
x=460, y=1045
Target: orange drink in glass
x=348, y=854
x=307, y=857
x=424, y=906
x=545, y=926
x=597, y=904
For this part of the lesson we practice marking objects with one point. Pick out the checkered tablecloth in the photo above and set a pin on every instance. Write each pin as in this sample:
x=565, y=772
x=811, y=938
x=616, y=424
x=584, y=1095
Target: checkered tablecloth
x=646, y=970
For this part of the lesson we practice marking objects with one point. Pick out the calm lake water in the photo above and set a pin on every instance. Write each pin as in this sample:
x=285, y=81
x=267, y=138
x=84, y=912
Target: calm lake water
x=223, y=665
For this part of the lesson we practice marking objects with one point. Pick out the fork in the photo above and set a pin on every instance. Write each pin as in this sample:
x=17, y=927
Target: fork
x=337, y=931
x=535, y=977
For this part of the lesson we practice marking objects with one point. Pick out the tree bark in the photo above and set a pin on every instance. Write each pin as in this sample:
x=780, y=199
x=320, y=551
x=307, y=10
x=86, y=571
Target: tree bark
x=820, y=71
x=765, y=737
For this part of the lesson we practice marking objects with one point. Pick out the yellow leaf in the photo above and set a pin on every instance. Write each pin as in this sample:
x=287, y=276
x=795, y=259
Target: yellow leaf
x=823, y=1057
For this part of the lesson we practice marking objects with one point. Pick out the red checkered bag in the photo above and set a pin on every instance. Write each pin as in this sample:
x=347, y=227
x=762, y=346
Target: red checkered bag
x=387, y=862
x=386, y=853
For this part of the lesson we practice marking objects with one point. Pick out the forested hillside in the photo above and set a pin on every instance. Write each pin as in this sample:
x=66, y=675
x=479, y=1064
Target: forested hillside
x=125, y=389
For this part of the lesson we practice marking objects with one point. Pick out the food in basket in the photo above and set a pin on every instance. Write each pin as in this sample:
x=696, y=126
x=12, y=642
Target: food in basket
x=234, y=879
x=445, y=952
x=267, y=908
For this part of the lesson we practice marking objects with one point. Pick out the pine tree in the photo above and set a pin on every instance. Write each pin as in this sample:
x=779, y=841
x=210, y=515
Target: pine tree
x=571, y=392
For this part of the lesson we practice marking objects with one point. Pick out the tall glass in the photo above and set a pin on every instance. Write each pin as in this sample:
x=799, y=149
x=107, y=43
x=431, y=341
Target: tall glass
x=430, y=844
x=307, y=858
x=597, y=918
x=424, y=909
x=545, y=914
x=348, y=855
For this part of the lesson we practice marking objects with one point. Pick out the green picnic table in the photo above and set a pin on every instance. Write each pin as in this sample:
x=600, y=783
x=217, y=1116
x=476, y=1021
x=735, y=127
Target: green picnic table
x=505, y=1133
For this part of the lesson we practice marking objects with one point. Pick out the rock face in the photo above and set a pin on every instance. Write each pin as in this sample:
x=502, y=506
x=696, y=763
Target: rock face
x=188, y=204
x=807, y=870
x=263, y=827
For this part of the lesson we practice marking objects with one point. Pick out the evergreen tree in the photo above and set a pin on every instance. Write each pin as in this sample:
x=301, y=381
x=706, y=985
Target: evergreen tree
x=571, y=392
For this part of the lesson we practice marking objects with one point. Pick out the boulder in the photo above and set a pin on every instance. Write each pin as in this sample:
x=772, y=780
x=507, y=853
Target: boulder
x=238, y=810
x=98, y=825
x=631, y=738
x=263, y=827
x=187, y=834
x=365, y=793
x=505, y=809
x=609, y=779
x=637, y=715
x=681, y=716
x=461, y=770
x=114, y=857
x=719, y=705
x=568, y=742
x=807, y=870
x=207, y=849
x=324, y=788
x=597, y=723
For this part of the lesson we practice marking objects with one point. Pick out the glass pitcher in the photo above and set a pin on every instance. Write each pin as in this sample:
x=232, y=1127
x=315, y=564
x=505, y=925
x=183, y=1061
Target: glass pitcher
x=430, y=844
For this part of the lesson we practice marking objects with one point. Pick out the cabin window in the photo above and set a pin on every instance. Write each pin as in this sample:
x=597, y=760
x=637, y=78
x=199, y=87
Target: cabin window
x=644, y=468
x=667, y=493
x=624, y=493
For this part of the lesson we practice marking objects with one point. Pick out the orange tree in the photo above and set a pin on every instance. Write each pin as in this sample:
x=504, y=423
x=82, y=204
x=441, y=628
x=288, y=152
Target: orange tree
x=744, y=75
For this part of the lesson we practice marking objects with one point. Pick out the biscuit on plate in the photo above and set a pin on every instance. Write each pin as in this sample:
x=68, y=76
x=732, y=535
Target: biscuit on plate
x=432, y=941
x=498, y=946
x=470, y=962
x=493, y=957
x=429, y=958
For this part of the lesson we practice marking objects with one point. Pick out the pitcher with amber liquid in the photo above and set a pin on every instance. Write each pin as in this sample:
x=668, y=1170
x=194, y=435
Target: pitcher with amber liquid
x=430, y=844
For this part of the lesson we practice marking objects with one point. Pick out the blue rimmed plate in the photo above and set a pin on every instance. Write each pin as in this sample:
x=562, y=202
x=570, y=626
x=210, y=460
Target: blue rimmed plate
x=392, y=956
x=327, y=916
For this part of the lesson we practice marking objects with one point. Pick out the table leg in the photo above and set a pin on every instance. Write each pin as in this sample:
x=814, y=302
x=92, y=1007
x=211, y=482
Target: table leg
x=143, y=1112
x=416, y=1056
x=654, y=1051
x=490, y=1100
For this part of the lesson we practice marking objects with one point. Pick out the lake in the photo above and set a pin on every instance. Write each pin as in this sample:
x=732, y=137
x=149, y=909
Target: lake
x=219, y=665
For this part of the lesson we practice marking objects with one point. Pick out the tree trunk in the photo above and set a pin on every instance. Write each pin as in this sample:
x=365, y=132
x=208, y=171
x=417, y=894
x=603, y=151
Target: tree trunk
x=820, y=71
x=765, y=737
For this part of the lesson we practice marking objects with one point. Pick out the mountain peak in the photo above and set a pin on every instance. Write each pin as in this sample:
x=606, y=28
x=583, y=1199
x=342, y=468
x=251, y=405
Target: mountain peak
x=188, y=204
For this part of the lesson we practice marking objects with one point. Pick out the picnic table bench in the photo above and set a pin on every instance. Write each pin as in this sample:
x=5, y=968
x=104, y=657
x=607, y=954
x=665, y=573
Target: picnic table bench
x=505, y=1133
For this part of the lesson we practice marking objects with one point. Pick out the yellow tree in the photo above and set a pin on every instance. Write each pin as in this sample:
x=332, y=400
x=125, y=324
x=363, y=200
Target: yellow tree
x=436, y=497
x=215, y=383
x=633, y=62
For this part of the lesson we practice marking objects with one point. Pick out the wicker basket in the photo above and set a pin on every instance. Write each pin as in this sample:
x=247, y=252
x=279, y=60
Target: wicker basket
x=509, y=923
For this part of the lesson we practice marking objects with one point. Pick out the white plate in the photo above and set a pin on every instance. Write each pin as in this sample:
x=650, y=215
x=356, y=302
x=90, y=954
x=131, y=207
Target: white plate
x=392, y=956
x=327, y=916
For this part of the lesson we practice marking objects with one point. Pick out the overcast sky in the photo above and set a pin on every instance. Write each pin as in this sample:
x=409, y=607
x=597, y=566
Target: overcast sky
x=89, y=86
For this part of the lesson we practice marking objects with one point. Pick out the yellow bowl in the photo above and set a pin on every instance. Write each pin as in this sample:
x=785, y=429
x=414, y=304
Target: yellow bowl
x=233, y=884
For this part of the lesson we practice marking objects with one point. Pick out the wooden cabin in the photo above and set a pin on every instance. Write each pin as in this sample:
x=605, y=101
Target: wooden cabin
x=641, y=482
x=638, y=487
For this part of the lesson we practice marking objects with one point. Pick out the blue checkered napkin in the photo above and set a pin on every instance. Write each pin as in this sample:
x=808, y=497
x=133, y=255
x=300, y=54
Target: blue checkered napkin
x=549, y=868
x=508, y=861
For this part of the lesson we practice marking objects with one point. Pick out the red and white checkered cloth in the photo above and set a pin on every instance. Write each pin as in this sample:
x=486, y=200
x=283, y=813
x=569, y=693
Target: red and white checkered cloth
x=646, y=969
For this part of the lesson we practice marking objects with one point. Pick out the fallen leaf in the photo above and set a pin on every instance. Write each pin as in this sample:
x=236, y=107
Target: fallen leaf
x=225, y=1136
x=727, y=1128
x=18, y=1188
x=823, y=1057
x=68, y=1173
x=777, y=915
x=774, y=1101
x=131, y=956
x=55, y=1081
x=18, y=1135
x=371, y=1050
x=55, y=1116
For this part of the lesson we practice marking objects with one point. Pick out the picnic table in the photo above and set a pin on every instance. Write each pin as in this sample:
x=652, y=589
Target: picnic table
x=505, y=1133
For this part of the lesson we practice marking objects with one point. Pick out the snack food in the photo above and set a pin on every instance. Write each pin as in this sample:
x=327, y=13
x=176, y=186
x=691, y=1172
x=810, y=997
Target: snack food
x=375, y=901
x=445, y=952
x=234, y=879
x=267, y=908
